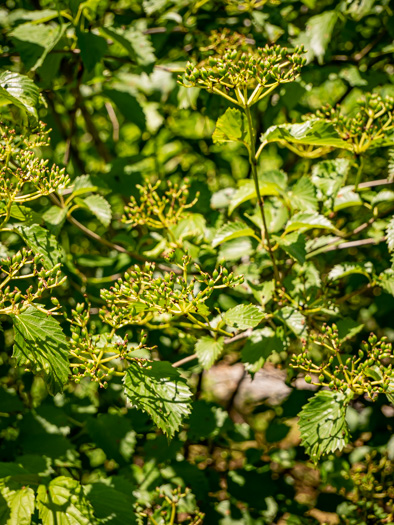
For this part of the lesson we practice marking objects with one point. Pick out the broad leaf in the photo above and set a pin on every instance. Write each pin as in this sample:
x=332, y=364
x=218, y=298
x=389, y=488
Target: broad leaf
x=323, y=424
x=134, y=41
x=43, y=243
x=21, y=91
x=16, y=503
x=244, y=316
x=127, y=103
x=313, y=132
x=307, y=221
x=342, y=270
x=317, y=34
x=111, y=502
x=302, y=195
x=231, y=127
x=386, y=281
x=294, y=244
x=158, y=389
x=92, y=47
x=345, y=198
x=328, y=177
x=259, y=346
x=40, y=341
x=62, y=502
x=231, y=230
x=208, y=350
x=100, y=207
x=55, y=217
x=293, y=319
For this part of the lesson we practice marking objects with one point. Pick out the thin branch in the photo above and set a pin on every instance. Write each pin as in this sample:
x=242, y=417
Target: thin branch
x=355, y=244
x=184, y=360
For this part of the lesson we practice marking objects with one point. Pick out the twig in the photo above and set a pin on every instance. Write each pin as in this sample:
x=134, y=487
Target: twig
x=354, y=244
x=184, y=360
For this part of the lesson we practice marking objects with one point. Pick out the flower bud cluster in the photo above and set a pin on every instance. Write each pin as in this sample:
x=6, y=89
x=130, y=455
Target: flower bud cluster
x=25, y=265
x=99, y=356
x=240, y=71
x=142, y=296
x=156, y=210
x=23, y=176
x=367, y=126
x=369, y=372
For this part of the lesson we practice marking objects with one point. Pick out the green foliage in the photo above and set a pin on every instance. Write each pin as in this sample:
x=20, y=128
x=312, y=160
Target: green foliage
x=196, y=271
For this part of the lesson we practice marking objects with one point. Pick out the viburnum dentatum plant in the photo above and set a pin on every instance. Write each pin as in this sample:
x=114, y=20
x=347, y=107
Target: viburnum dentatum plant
x=196, y=271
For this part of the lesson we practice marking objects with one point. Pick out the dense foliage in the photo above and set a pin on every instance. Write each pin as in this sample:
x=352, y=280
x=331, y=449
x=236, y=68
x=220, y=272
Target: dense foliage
x=197, y=279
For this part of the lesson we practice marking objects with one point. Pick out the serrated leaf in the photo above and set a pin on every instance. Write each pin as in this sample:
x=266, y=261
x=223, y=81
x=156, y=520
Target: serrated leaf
x=328, y=177
x=293, y=319
x=323, y=424
x=100, y=208
x=208, y=350
x=390, y=235
x=43, y=243
x=62, y=502
x=302, y=195
x=317, y=35
x=270, y=183
x=134, y=41
x=313, y=132
x=386, y=281
x=244, y=316
x=260, y=345
x=342, y=270
x=55, y=217
x=307, y=221
x=40, y=341
x=159, y=389
x=231, y=230
x=231, y=127
x=16, y=503
x=345, y=198
x=21, y=91
x=295, y=245
x=263, y=292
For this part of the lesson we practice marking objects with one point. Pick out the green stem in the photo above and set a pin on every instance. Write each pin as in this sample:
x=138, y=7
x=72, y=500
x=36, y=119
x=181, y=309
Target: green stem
x=253, y=162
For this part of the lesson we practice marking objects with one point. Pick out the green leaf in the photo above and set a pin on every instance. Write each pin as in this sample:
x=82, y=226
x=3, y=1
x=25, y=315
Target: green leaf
x=62, y=502
x=43, y=243
x=302, y=195
x=263, y=292
x=92, y=47
x=16, y=503
x=270, y=183
x=231, y=127
x=313, y=132
x=55, y=217
x=100, y=207
x=390, y=235
x=244, y=316
x=294, y=244
x=323, y=424
x=22, y=213
x=159, y=389
x=345, y=198
x=111, y=503
x=127, y=103
x=386, y=281
x=21, y=91
x=112, y=433
x=231, y=230
x=208, y=350
x=39, y=340
x=328, y=177
x=317, y=35
x=307, y=221
x=293, y=319
x=345, y=269
x=260, y=345
x=134, y=42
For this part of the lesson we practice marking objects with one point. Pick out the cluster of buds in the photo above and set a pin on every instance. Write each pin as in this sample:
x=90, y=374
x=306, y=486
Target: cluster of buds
x=23, y=176
x=374, y=117
x=158, y=211
x=25, y=265
x=99, y=356
x=369, y=372
x=373, y=490
x=235, y=73
x=142, y=296
x=167, y=505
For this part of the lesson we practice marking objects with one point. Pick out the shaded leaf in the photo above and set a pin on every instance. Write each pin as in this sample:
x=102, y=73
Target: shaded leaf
x=127, y=104
x=43, y=243
x=92, y=47
x=295, y=245
x=134, y=41
x=231, y=230
x=260, y=345
x=39, y=340
x=293, y=319
x=158, y=389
